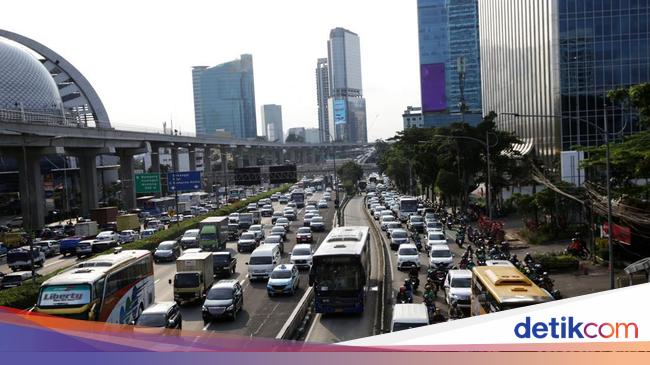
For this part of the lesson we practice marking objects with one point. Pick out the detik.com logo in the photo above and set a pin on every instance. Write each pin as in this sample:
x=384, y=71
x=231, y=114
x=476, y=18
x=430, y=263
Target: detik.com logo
x=568, y=327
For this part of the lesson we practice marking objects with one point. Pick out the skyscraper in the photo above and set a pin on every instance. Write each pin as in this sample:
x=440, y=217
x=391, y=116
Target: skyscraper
x=448, y=33
x=346, y=105
x=322, y=94
x=224, y=98
x=272, y=122
x=560, y=59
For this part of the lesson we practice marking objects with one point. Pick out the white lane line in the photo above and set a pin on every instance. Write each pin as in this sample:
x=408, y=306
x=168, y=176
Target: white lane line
x=53, y=263
x=156, y=282
x=242, y=282
x=206, y=326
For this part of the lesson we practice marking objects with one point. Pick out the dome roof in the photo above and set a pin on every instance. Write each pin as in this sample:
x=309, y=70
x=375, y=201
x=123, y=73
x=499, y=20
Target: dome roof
x=24, y=80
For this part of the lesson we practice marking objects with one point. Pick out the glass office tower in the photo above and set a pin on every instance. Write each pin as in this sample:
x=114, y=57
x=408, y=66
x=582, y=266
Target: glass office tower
x=448, y=30
x=272, y=123
x=224, y=98
x=559, y=58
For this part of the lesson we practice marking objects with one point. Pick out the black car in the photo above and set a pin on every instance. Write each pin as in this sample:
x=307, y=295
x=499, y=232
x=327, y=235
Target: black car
x=224, y=299
x=161, y=315
x=167, y=251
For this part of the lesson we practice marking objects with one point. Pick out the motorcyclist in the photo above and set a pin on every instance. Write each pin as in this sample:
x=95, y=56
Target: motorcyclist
x=408, y=287
x=413, y=276
x=528, y=259
x=514, y=260
x=438, y=317
x=403, y=296
x=429, y=294
x=455, y=312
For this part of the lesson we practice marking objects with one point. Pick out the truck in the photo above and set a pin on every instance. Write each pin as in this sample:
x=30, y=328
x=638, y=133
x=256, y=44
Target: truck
x=213, y=233
x=86, y=229
x=19, y=258
x=128, y=222
x=194, y=276
x=103, y=216
x=68, y=246
x=224, y=263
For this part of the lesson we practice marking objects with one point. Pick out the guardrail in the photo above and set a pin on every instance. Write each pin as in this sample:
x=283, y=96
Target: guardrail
x=296, y=325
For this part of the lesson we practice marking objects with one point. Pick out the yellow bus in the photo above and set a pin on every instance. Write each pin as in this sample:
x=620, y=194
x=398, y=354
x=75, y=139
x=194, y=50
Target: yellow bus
x=497, y=288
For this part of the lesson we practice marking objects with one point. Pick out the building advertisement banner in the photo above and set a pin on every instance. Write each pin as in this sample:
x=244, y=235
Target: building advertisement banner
x=340, y=107
x=434, y=98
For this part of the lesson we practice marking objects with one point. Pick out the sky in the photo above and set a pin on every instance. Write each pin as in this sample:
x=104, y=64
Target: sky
x=138, y=54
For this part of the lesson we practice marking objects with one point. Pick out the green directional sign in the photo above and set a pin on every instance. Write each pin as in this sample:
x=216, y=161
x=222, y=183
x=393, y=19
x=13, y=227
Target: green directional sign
x=147, y=183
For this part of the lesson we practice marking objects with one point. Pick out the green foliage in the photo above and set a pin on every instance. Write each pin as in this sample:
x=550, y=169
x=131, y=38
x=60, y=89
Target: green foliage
x=557, y=261
x=447, y=184
x=350, y=172
x=24, y=297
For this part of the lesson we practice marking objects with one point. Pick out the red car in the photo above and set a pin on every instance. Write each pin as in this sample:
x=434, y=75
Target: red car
x=304, y=235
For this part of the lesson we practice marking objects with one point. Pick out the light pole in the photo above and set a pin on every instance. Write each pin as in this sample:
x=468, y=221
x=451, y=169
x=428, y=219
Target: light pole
x=605, y=132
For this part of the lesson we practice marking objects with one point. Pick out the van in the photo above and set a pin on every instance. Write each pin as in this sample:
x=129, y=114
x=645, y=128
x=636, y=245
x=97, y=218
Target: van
x=15, y=279
x=407, y=316
x=262, y=261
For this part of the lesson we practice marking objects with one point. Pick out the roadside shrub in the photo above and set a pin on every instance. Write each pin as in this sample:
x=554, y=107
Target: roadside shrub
x=557, y=261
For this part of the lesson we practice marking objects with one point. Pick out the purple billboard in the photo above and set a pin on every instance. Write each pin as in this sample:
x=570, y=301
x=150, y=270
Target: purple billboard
x=432, y=82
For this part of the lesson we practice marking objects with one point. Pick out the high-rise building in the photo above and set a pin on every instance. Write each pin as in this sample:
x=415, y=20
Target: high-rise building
x=449, y=61
x=224, y=98
x=559, y=59
x=272, y=122
x=346, y=105
x=412, y=117
x=298, y=132
x=312, y=135
x=322, y=94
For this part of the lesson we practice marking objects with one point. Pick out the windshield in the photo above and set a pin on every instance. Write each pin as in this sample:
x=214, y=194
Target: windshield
x=261, y=260
x=209, y=236
x=437, y=237
x=221, y=259
x=337, y=273
x=64, y=295
x=220, y=294
x=191, y=234
x=409, y=205
x=415, y=219
x=186, y=280
x=461, y=283
x=317, y=220
x=399, y=326
x=165, y=246
x=151, y=320
x=408, y=251
x=277, y=230
x=301, y=252
x=440, y=253
x=273, y=239
x=12, y=279
x=398, y=234
x=281, y=274
x=247, y=236
x=304, y=230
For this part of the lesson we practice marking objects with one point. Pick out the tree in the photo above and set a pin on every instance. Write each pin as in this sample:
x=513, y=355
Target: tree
x=349, y=173
x=447, y=183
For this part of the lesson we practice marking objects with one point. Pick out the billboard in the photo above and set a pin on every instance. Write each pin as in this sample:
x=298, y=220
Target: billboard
x=432, y=83
x=247, y=176
x=283, y=174
x=147, y=183
x=340, y=112
x=184, y=181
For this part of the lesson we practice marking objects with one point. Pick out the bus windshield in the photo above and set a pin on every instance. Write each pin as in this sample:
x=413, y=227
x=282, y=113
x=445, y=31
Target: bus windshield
x=64, y=295
x=409, y=205
x=337, y=274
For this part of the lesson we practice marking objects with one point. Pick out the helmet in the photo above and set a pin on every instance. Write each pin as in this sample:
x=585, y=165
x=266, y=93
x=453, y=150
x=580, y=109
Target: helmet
x=402, y=289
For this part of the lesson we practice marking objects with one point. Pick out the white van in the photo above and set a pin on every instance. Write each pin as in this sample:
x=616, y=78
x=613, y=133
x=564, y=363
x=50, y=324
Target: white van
x=262, y=261
x=407, y=316
x=458, y=287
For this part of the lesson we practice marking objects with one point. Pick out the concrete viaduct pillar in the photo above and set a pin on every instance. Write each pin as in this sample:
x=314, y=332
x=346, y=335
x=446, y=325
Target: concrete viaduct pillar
x=32, y=195
x=127, y=177
x=88, y=180
x=191, y=153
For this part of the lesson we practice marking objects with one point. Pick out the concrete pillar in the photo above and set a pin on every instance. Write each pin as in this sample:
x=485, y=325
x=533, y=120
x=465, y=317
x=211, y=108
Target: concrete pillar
x=127, y=177
x=207, y=168
x=191, y=152
x=224, y=166
x=279, y=157
x=32, y=195
x=88, y=178
x=239, y=157
x=155, y=158
x=175, y=161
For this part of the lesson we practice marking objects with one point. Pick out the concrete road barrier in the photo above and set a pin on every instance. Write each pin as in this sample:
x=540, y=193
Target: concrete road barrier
x=296, y=325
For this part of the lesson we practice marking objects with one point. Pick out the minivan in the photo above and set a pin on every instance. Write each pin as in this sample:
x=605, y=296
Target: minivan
x=262, y=261
x=407, y=316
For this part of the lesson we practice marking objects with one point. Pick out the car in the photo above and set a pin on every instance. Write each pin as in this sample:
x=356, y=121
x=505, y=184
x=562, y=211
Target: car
x=322, y=204
x=279, y=230
x=186, y=217
x=50, y=248
x=307, y=219
x=247, y=242
x=409, y=315
x=294, y=206
x=385, y=219
x=435, y=226
x=407, y=256
x=266, y=211
x=311, y=208
x=164, y=218
x=163, y=315
x=429, y=217
x=289, y=214
x=275, y=240
x=224, y=299
x=301, y=256
x=84, y=249
x=224, y=263
x=147, y=232
x=397, y=238
x=440, y=256
x=390, y=226
x=303, y=235
x=107, y=236
x=16, y=222
x=176, y=219
x=327, y=196
x=283, y=199
x=284, y=222
x=275, y=216
x=435, y=238
x=458, y=287
x=129, y=235
x=154, y=224
x=317, y=224
x=376, y=212
x=190, y=239
x=258, y=229
x=251, y=207
x=167, y=251
x=15, y=279
x=284, y=279
x=274, y=197
x=416, y=223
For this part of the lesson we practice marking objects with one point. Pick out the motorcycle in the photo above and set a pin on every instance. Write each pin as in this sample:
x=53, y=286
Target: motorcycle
x=415, y=282
x=578, y=249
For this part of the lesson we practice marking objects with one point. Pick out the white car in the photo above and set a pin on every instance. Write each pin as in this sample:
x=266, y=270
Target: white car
x=129, y=235
x=107, y=236
x=407, y=256
x=385, y=219
x=233, y=218
x=458, y=287
x=398, y=237
x=440, y=256
x=147, y=233
x=301, y=256
x=284, y=222
x=322, y=204
x=435, y=238
x=390, y=226
x=258, y=230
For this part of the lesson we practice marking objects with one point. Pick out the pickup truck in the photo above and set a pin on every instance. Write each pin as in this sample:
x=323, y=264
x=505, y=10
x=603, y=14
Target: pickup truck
x=224, y=263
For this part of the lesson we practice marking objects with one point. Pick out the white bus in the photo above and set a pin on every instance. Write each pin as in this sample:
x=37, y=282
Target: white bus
x=407, y=207
x=195, y=198
x=112, y=288
x=340, y=272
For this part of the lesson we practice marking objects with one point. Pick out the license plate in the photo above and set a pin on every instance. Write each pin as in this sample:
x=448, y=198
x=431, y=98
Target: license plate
x=338, y=310
x=278, y=290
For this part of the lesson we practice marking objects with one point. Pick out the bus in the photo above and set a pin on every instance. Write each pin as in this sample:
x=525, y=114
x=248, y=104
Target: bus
x=112, y=288
x=497, y=288
x=407, y=207
x=157, y=206
x=194, y=198
x=340, y=273
x=298, y=197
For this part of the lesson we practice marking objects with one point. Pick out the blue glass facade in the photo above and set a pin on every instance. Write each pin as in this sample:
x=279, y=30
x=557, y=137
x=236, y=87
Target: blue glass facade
x=448, y=29
x=224, y=98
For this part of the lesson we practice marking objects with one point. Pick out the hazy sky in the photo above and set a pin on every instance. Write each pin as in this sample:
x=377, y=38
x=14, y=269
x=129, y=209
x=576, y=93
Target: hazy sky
x=138, y=54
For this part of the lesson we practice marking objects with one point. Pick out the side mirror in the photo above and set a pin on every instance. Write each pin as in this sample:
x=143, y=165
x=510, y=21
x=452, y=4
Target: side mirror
x=132, y=323
x=246, y=263
x=170, y=281
x=171, y=323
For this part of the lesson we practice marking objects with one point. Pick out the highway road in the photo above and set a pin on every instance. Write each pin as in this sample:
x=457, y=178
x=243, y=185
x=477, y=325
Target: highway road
x=261, y=316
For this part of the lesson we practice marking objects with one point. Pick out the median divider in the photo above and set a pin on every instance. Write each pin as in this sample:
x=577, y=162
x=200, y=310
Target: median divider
x=24, y=296
x=296, y=326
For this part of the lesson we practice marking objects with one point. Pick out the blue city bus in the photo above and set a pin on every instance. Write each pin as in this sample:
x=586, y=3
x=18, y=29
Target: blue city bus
x=298, y=197
x=340, y=273
x=157, y=206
